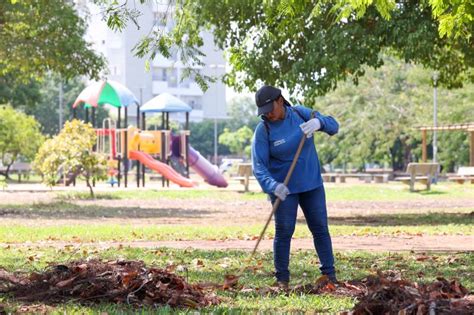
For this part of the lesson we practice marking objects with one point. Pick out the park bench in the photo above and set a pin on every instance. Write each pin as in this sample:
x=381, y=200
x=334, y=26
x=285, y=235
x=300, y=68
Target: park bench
x=244, y=174
x=465, y=173
x=333, y=177
x=18, y=168
x=419, y=172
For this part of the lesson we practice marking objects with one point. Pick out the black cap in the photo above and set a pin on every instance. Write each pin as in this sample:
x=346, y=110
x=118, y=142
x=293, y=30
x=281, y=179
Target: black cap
x=265, y=97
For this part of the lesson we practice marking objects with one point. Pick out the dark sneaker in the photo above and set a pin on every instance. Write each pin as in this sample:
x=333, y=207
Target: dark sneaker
x=282, y=285
x=332, y=278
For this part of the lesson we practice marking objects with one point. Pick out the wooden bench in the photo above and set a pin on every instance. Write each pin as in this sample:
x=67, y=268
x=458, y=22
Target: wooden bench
x=381, y=178
x=244, y=174
x=465, y=173
x=19, y=168
x=419, y=172
x=332, y=177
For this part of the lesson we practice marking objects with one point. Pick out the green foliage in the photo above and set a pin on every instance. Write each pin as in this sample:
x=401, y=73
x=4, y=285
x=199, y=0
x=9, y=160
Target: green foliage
x=20, y=136
x=71, y=152
x=454, y=17
x=237, y=141
x=41, y=36
x=379, y=117
x=242, y=112
x=310, y=46
x=21, y=95
x=202, y=137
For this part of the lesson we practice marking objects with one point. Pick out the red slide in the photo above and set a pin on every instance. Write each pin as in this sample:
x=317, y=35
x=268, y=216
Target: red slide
x=161, y=168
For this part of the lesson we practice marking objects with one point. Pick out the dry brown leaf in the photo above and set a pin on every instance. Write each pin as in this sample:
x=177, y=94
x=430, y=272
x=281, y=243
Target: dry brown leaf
x=66, y=283
x=230, y=281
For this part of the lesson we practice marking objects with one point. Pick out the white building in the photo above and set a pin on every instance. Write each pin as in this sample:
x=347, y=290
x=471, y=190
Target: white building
x=164, y=74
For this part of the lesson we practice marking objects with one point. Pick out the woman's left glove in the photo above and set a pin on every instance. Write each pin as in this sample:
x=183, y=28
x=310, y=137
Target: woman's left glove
x=310, y=127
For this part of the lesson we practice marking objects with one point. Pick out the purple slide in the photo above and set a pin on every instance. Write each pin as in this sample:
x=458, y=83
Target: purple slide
x=200, y=165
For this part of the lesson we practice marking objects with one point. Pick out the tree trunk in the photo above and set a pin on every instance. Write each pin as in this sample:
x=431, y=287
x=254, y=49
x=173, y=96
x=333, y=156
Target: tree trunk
x=90, y=187
x=7, y=176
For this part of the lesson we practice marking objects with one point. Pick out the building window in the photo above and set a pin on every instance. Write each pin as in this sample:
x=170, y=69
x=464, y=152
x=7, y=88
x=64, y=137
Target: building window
x=159, y=74
x=194, y=101
x=172, y=77
x=185, y=83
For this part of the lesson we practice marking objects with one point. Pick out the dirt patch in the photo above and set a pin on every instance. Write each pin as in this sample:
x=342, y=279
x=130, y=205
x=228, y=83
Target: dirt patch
x=444, y=243
x=231, y=211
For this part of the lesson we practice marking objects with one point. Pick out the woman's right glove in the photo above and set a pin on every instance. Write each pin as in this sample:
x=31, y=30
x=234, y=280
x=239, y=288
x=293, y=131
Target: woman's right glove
x=281, y=191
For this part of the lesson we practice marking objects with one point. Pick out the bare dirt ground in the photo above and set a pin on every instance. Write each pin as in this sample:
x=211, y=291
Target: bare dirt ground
x=234, y=211
x=446, y=243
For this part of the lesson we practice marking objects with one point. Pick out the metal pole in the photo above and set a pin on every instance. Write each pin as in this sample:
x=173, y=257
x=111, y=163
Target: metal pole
x=187, y=144
x=435, y=124
x=138, y=127
x=125, y=157
x=215, y=140
x=60, y=104
x=143, y=165
x=435, y=121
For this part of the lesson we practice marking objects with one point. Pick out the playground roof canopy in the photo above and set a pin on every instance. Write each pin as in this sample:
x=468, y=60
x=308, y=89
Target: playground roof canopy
x=166, y=103
x=465, y=126
x=106, y=92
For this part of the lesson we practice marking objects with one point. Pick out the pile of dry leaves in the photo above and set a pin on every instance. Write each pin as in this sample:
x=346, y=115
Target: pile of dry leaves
x=133, y=283
x=385, y=293
x=388, y=293
x=106, y=281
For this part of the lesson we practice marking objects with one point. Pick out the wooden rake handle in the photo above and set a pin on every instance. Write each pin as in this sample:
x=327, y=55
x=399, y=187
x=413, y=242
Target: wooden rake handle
x=278, y=200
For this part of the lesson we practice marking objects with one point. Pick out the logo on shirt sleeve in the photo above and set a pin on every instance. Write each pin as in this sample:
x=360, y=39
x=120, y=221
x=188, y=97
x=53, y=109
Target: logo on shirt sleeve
x=279, y=142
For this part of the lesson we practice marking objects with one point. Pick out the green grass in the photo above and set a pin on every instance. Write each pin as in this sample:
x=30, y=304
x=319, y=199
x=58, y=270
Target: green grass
x=396, y=192
x=153, y=194
x=211, y=266
x=410, y=224
x=340, y=192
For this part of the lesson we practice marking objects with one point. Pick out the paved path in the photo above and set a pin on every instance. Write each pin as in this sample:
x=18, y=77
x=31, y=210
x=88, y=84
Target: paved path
x=448, y=243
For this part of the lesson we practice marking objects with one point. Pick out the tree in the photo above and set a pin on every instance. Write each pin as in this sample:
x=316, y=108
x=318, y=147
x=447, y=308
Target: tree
x=40, y=36
x=242, y=112
x=71, y=152
x=202, y=137
x=238, y=141
x=454, y=17
x=309, y=46
x=20, y=95
x=20, y=137
x=380, y=116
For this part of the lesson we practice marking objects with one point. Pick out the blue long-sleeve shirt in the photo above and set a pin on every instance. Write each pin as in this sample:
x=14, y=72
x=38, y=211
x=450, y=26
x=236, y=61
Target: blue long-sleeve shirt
x=273, y=151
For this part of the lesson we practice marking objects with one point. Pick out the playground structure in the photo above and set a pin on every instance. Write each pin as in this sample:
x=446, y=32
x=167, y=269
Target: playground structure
x=154, y=149
x=469, y=127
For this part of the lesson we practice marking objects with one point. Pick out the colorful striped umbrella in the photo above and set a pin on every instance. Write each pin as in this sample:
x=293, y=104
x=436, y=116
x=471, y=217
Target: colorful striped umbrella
x=106, y=92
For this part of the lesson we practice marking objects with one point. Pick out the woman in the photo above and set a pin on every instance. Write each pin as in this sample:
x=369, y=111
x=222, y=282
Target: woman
x=274, y=145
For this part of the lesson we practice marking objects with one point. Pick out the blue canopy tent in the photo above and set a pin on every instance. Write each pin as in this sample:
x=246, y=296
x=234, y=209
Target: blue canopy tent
x=166, y=103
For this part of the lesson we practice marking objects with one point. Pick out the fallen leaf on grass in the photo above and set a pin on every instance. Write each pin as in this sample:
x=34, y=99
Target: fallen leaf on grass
x=230, y=281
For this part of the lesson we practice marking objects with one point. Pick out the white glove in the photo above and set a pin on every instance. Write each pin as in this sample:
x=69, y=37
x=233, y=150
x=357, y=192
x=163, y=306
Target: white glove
x=281, y=191
x=310, y=127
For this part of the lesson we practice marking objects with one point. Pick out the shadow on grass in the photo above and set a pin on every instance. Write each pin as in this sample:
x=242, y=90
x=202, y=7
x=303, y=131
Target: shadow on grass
x=66, y=210
x=86, y=196
x=430, y=192
x=409, y=219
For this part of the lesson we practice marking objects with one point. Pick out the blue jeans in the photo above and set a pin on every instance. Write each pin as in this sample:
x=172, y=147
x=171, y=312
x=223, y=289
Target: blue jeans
x=313, y=203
